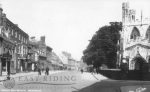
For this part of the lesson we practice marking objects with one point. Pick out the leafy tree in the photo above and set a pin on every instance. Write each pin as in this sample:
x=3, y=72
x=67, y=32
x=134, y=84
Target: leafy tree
x=103, y=46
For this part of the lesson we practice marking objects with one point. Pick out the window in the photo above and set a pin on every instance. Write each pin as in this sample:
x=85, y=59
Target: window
x=26, y=41
x=12, y=32
x=16, y=34
x=26, y=50
x=23, y=50
x=135, y=33
x=19, y=37
x=19, y=49
x=22, y=39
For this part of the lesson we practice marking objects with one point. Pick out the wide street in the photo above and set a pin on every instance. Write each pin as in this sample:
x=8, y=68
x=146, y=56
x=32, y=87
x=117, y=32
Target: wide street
x=69, y=81
x=84, y=80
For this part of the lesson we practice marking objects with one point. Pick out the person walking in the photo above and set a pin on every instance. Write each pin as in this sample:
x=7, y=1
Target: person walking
x=81, y=70
x=47, y=71
x=39, y=71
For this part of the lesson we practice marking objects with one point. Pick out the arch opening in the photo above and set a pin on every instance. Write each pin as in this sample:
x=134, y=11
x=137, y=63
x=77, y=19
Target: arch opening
x=139, y=63
x=135, y=33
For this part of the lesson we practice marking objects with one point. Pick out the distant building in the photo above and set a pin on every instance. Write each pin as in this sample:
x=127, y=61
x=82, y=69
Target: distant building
x=83, y=65
x=48, y=55
x=69, y=62
x=64, y=58
x=39, y=51
x=57, y=63
x=77, y=65
x=73, y=64
x=32, y=56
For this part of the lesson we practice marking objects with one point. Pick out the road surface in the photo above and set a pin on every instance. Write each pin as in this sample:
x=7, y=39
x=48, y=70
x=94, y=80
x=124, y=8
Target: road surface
x=69, y=81
x=79, y=82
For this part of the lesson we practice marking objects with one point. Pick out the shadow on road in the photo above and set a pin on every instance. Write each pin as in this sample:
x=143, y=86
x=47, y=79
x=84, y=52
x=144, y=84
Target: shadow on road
x=112, y=86
x=100, y=87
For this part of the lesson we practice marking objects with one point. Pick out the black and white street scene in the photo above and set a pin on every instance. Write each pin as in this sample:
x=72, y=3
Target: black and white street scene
x=74, y=46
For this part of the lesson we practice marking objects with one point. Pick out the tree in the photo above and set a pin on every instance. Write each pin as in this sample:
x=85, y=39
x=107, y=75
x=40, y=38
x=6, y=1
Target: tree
x=103, y=46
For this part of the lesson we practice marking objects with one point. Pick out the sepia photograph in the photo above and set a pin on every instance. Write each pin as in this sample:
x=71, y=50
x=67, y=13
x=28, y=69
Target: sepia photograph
x=74, y=46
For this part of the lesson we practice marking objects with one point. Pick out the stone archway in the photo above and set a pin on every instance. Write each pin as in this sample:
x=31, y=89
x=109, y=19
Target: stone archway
x=139, y=63
x=140, y=67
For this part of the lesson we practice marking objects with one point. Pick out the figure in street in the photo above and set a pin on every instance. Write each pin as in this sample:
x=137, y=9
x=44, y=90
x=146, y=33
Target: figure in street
x=81, y=70
x=39, y=71
x=47, y=71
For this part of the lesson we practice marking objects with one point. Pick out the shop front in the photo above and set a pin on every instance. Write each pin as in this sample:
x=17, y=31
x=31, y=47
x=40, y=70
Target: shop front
x=7, y=64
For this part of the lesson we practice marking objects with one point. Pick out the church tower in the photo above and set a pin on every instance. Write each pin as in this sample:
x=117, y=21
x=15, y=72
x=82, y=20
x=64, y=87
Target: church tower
x=128, y=15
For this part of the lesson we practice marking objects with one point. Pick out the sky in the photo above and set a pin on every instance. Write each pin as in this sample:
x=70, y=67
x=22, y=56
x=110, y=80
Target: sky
x=67, y=24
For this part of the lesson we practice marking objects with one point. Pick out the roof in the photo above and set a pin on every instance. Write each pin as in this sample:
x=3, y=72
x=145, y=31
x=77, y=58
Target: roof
x=14, y=25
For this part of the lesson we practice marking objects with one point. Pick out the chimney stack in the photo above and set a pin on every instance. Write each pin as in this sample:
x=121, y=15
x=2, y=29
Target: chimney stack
x=43, y=39
x=32, y=38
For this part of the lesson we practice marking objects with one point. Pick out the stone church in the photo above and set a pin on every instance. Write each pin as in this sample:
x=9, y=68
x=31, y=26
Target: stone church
x=135, y=38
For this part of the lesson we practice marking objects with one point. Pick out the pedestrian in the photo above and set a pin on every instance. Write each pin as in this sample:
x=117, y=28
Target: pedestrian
x=8, y=77
x=39, y=71
x=47, y=71
x=81, y=70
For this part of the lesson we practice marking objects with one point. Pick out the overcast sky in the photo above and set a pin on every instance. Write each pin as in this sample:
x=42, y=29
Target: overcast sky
x=67, y=24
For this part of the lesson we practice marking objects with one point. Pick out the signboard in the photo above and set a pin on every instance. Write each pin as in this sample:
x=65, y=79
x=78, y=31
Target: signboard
x=40, y=83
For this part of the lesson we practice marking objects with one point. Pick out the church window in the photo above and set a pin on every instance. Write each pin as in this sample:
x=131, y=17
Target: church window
x=135, y=33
